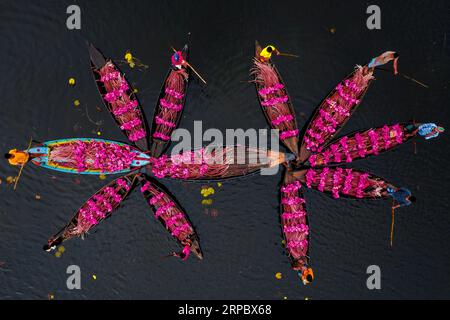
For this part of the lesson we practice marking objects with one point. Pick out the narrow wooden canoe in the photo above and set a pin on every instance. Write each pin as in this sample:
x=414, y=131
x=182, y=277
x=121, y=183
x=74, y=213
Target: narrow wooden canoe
x=279, y=116
x=98, y=208
x=169, y=107
x=170, y=214
x=119, y=98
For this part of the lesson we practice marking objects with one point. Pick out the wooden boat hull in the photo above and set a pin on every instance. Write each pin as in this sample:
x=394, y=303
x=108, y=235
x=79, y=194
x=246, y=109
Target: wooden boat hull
x=98, y=61
x=291, y=143
x=114, y=193
x=291, y=216
x=158, y=145
x=167, y=210
x=40, y=156
x=344, y=183
x=304, y=151
x=363, y=144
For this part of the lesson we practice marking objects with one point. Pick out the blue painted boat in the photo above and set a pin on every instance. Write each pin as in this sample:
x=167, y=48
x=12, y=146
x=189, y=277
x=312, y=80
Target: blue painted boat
x=41, y=156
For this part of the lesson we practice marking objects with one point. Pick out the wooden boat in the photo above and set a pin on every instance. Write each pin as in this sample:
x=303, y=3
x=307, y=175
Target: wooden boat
x=280, y=115
x=169, y=107
x=294, y=221
x=344, y=182
x=99, y=207
x=167, y=210
x=119, y=98
x=335, y=110
x=217, y=163
x=60, y=155
x=363, y=144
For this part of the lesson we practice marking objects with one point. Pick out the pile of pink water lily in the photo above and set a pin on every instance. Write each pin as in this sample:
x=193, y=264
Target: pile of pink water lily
x=98, y=207
x=106, y=157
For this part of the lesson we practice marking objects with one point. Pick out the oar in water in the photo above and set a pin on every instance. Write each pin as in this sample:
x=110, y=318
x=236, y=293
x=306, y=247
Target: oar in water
x=288, y=55
x=23, y=166
x=192, y=68
x=406, y=77
x=392, y=225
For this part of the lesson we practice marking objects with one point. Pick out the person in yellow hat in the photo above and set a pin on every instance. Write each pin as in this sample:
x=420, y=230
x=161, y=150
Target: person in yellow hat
x=267, y=52
x=16, y=157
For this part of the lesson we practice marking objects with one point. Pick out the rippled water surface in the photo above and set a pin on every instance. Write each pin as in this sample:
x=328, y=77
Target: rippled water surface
x=241, y=236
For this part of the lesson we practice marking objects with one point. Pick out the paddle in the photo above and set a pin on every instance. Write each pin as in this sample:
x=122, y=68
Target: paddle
x=405, y=76
x=392, y=224
x=192, y=68
x=288, y=55
x=23, y=165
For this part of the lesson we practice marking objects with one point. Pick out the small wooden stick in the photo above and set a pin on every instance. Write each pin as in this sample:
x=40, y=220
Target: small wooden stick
x=392, y=225
x=288, y=55
x=23, y=166
x=192, y=68
x=405, y=76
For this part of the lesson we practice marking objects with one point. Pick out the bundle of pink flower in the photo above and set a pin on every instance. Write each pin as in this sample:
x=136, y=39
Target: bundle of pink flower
x=93, y=155
x=337, y=108
x=274, y=99
x=362, y=144
x=170, y=105
x=294, y=223
x=168, y=211
x=99, y=207
x=123, y=104
x=215, y=163
x=347, y=182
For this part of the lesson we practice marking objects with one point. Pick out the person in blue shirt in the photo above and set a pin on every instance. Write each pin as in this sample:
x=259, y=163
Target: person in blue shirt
x=402, y=197
x=430, y=130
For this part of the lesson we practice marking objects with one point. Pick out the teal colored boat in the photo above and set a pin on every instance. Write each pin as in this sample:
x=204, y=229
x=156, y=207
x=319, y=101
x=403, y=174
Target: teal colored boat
x=100, y=156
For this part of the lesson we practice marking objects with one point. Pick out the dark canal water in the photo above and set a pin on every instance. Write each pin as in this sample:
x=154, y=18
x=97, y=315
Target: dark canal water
x=239, y=231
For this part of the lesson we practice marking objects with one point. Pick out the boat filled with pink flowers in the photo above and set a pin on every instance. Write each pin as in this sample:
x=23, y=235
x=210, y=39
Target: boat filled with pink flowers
x=88, y=156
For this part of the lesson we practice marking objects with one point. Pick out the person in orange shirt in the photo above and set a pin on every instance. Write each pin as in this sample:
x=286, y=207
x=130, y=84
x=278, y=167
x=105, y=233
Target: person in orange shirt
x=16, y=157
x=307, y=275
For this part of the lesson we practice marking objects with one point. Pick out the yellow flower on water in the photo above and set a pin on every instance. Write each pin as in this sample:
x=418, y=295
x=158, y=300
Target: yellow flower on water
x=61, y=249
x=283, y=242
x=278, y=275
x=94, y=277
x=135, y=90
x=128, y=56
x=102, y=177
x=76, y=103
x=219, y=184
x=58, y=254
x=99, y=133
x=72, y=81
x=206, y=192
x=207, y=202
x=130, y=60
